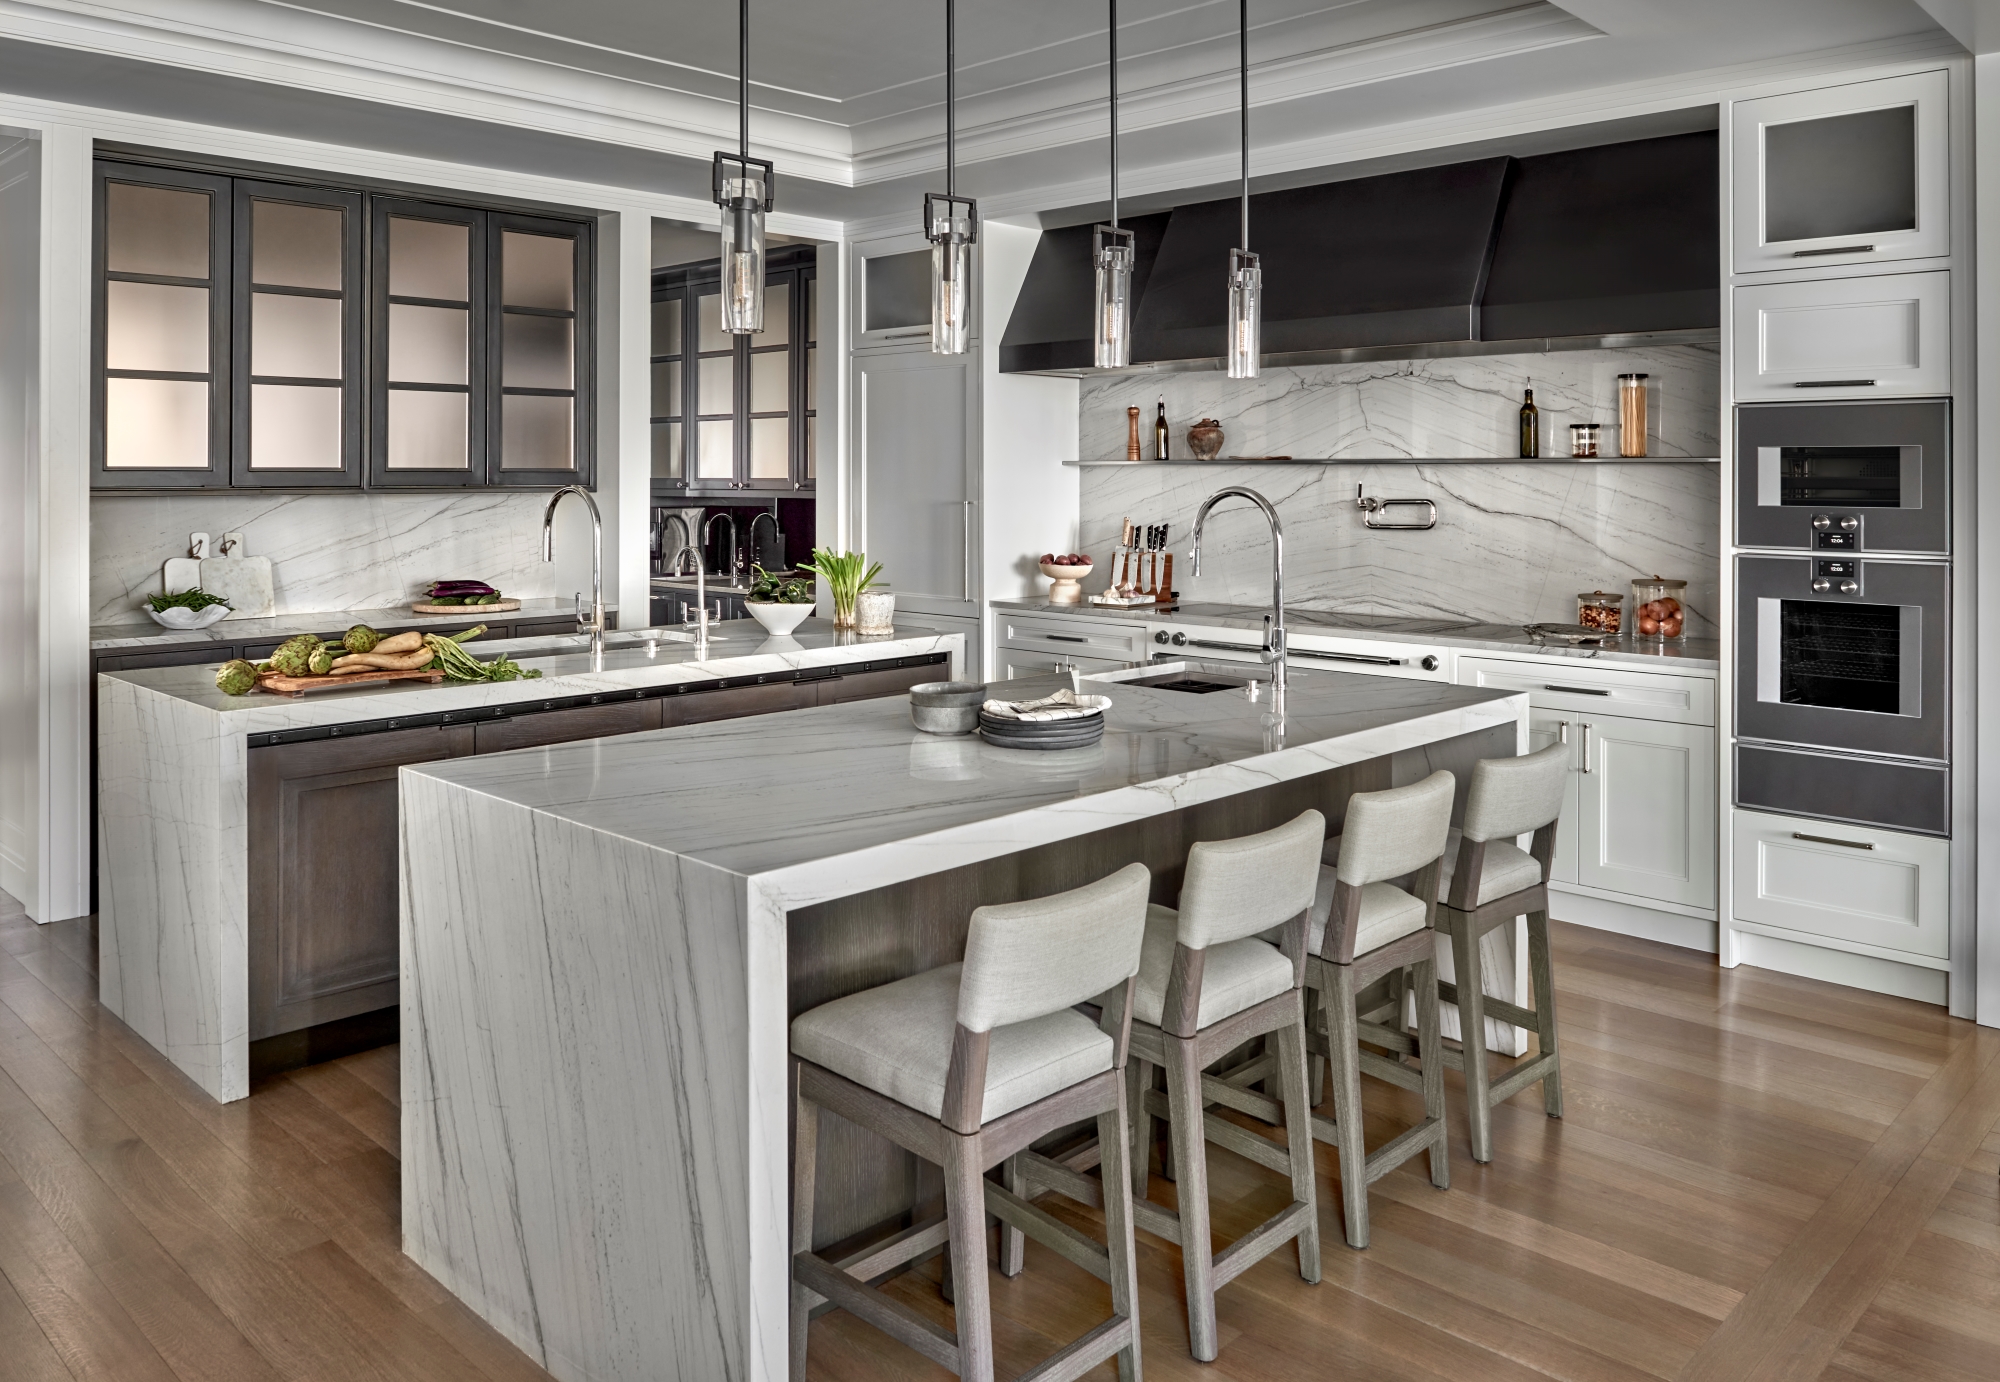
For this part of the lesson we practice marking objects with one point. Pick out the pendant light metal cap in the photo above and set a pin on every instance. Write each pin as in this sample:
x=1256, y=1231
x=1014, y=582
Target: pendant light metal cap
x=951, y=220
x=735, y=178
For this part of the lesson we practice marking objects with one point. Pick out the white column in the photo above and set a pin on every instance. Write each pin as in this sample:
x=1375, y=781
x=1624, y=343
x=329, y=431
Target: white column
x=20, y=545
x=1986, y=584
x=625, y=461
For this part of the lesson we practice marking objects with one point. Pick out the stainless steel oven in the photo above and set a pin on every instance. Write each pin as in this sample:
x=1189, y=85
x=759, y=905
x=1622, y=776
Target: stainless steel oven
x=1844, y=477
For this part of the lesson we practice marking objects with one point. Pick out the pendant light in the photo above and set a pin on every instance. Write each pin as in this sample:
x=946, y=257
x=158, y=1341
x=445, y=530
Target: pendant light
x=1111, y=254
x=951, y=222
x=1246, y=276
x=743, y=188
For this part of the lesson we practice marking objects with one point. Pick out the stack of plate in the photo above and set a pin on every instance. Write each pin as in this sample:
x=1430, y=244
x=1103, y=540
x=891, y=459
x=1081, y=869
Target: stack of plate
x=1075, y=733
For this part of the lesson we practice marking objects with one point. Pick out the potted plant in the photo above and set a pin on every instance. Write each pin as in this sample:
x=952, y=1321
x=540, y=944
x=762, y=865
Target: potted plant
x=779, y=603
x=846, y=574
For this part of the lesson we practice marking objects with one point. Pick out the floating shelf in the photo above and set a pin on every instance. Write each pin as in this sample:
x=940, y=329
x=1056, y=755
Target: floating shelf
x=1421, y=460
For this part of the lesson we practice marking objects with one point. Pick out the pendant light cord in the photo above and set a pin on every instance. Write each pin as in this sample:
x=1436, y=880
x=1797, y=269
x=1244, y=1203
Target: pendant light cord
x=1114, y=114
x=950, y=97
x=1243, y=86
x=743, y=75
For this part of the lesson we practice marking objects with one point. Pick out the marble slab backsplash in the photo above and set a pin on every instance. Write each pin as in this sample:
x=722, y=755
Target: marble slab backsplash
x=1515, y=541
x=339, y=551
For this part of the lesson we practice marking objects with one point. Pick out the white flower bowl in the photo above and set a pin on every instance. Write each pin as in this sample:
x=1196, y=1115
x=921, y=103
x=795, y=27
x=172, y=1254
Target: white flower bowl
x=778, y=619
x=186, y=619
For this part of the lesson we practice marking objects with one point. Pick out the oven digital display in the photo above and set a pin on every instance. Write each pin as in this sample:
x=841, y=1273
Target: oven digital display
x=1854, y=477
x=1840, y=656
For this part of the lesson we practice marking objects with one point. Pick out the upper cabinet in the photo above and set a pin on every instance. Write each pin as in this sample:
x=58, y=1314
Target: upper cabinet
x=263, y=334
x=1850, y=174
x=892, y=293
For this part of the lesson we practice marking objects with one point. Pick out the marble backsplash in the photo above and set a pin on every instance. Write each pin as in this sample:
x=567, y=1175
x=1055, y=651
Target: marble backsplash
x=340, y=551
x=1515, y=540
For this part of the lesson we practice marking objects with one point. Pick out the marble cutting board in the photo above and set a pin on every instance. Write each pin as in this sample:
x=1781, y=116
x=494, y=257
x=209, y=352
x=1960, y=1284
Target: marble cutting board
x=245, y=582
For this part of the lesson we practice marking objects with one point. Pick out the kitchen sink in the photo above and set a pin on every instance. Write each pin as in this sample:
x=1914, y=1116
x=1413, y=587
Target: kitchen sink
x=1193, y=683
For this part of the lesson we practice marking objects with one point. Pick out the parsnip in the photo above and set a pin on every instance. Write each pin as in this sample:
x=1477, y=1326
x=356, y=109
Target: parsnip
x=407, y=642
x=392, y=662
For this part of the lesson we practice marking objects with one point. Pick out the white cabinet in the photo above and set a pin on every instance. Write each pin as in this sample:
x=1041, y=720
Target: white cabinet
x=916, y=467
x=1102, y=639
x=1645, y=809
x=1016, y=663
x=969, y=665
x=1878, y=336
x=892, y=291
x=1850, y=174
x=1880, y=891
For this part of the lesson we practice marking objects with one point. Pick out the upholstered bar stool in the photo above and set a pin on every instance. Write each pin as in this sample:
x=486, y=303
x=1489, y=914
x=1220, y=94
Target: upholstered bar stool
x=965, y=1066
x=1488, y=880
x=1207, y=984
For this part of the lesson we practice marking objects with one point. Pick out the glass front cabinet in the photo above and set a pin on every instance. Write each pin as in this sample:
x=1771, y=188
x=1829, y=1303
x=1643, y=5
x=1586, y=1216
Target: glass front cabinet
x=254, y=333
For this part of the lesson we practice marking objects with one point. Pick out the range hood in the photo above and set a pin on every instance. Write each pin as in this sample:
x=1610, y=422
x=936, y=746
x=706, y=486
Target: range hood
x=1608, y=245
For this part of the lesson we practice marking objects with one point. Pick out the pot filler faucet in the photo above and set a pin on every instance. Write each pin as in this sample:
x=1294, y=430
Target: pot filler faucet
x=596, y=625
x=1273, y=651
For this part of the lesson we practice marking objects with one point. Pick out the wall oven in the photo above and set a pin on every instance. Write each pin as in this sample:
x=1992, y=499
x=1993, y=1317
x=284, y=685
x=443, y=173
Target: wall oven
x=1844, y=477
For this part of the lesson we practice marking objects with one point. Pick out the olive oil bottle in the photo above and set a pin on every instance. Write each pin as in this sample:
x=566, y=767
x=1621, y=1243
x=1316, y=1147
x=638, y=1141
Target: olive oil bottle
x=1531, y=425
x=1160, y=431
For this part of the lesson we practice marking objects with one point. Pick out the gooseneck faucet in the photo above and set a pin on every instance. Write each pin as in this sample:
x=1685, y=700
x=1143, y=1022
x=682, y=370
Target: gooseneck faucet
x=700, y=593
x=728, y=566
x=777, y=534
x=596, y=625
x=1273, y=651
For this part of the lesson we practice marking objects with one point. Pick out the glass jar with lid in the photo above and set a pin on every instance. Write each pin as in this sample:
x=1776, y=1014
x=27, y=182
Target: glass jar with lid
x=1659, y=610
x=1601, y=612
x=1583, y=439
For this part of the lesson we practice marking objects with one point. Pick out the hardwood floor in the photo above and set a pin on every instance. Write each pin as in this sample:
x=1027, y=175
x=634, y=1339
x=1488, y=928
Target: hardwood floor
x=1758, y=1177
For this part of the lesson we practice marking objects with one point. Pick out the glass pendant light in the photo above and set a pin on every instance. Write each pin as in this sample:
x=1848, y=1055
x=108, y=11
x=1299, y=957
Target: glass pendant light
x=743, y=188
x=951, y=222
x=1111, y=255
x=1246, y=276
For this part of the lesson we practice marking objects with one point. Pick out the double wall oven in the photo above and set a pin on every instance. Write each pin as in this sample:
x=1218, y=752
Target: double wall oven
x=1843, y=682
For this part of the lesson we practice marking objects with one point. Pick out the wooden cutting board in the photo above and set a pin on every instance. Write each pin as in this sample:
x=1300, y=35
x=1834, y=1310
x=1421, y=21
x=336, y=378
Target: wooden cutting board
x=497, y=607
x=279, y=685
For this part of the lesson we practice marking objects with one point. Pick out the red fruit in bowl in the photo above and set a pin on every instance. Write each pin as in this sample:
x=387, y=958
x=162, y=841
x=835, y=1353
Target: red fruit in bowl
x=1049, y=557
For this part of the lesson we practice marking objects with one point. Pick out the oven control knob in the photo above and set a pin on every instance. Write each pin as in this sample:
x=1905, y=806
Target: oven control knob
x=1180, y=639
x=1821, y=522
x=1850, y=587
x=1160, y=637
x=1821, y=585
x=1429, y=664
x=1848, y=523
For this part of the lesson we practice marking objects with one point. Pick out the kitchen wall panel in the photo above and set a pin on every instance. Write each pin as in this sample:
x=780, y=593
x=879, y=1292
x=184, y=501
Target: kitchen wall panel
x=1515, y=540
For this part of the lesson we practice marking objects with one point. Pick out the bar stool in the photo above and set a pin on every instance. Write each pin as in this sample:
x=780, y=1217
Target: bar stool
x=1207, y=984
x=1488, y=881
x=1364, y=927
x=965, y=1065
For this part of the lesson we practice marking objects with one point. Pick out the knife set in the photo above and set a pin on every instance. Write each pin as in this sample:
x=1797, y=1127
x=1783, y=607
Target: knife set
x=1142, y=569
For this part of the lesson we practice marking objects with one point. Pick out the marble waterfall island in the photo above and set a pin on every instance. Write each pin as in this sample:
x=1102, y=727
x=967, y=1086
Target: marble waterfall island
x=174, y=801
x=604, y=943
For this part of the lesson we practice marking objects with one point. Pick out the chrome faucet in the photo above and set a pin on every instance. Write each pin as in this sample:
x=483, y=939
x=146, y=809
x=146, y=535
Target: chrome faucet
x=728, y=567
x=700, y=593
x=595, y=627
x=777, y=534
x=1273, y=651
x=667, y=542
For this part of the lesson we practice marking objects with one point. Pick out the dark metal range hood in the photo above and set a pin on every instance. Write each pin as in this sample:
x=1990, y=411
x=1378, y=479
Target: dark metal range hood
x=1610, y=245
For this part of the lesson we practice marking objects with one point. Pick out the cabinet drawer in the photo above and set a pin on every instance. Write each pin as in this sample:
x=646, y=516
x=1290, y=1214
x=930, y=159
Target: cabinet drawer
x=1569, y=685
x=1848, y=882
x=1082, y=637
x=1014, y=664
x=562, y=726
x=1882, y=336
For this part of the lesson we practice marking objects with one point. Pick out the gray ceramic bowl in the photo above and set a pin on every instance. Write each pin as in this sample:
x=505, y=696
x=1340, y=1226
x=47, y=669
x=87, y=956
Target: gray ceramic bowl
x=946, y=707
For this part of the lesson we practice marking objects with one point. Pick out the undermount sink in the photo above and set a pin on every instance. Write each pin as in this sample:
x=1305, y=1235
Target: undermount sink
x=1192, y=682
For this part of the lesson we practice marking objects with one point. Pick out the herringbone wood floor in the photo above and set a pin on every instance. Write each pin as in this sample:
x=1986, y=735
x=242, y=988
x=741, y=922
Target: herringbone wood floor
x=1758, y=1177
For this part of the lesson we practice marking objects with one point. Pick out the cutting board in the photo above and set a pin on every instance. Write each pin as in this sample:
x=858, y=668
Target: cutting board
x=497, y=607
x=180, y=573
x=244, y=582
x=279, y=685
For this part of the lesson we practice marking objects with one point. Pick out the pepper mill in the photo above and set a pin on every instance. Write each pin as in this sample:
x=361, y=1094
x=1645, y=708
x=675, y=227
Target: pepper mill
x=1132, y=434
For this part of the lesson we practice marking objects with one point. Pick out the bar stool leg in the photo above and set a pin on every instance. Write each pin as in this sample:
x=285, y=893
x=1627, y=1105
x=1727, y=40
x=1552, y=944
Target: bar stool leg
x=1430, y=1050
x=1299, y=1140
x=1184, y=1105
x=1542, y=973
x=805, y=1163
x=1472, y=1032
x=1344, y=1036
x=1013, y=1242
x=965, y=1208
x=1139, y=1079
x=1113, y=1135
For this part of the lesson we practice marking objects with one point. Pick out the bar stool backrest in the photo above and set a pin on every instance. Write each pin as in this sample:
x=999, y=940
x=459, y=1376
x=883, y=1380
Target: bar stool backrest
x=1512, y=796
x=1236, y=888
x=1024, y=960
x=1389, y=834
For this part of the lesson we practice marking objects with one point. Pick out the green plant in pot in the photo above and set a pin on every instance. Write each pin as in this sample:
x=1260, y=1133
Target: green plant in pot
x=846, y=574
x=779, y=603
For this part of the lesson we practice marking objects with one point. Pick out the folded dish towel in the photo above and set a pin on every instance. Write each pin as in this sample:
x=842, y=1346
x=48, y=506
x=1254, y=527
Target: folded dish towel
x=1064, y=705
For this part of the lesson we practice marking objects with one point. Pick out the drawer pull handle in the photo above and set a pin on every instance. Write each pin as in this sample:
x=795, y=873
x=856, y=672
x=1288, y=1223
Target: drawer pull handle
x=1065, y=638
x=1348, y=657
x=1575, y=690
x=1227, y=647
x=1833, y=249
x=1830, y=840
x=1833, y=384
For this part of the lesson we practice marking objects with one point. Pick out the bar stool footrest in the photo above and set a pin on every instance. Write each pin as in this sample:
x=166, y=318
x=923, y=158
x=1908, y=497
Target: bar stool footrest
x=1520, y=1077
x=1051, y=1232
x=1408, y=1076
x=886, y=1313
x=1403, y=1146
x=1084, y=1354
x=1260, y=1242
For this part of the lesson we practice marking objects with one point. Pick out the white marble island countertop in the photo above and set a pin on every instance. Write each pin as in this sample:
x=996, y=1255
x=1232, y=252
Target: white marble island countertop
x=597, y=941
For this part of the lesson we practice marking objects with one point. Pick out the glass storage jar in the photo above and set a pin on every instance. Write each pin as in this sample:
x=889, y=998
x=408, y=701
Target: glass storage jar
x=1601, y=612
x=1583, y=439
x=1659, y=610
x=1631, y=414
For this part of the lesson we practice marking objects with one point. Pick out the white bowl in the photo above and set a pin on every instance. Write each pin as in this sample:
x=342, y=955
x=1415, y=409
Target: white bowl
x=184, y=619
x=776, y=618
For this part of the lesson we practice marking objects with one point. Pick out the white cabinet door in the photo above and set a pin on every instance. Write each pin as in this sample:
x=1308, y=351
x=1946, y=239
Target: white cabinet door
x=969, y=665
x=1881, y=336
x=1546, y=728
x=1645, y=809
x=1016, y=663
x=892, y=291
x=1848, y=882
x=1847, y=174
x=914, y=421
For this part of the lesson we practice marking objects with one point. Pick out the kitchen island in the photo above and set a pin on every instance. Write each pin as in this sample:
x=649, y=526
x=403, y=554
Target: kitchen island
x=603, y=947
x=247, y=871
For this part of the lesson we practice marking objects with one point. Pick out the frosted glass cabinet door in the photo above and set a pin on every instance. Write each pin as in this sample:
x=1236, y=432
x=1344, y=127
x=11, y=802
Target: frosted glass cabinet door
x=539, y=324
x=917, y=466
x=429, y=419
x=1849, y=174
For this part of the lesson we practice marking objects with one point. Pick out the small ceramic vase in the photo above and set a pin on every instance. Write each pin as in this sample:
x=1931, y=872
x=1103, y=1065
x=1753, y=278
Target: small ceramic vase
x=1205, y=439
x=875, y=611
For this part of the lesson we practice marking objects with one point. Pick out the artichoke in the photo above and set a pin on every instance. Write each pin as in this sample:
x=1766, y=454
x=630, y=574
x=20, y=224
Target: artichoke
x=321, y=659
x=293, y=657
x=235, y=677
x=360, y=639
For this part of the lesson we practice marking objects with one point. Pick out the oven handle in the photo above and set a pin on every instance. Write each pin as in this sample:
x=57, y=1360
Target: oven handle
x=1830, y=840
x=1370, y=659
x=1227, y=647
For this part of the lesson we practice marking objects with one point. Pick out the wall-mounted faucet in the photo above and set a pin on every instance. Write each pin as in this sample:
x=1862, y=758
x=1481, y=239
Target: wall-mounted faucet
x=1273, y=651
x=1371, y=508
x=595, y=626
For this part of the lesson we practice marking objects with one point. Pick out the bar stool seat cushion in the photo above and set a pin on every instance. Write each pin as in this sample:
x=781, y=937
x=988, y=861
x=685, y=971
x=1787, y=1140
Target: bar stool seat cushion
x=1508, y=869
x=896, y=1040
x=1387, y=913
x=1235, y=974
